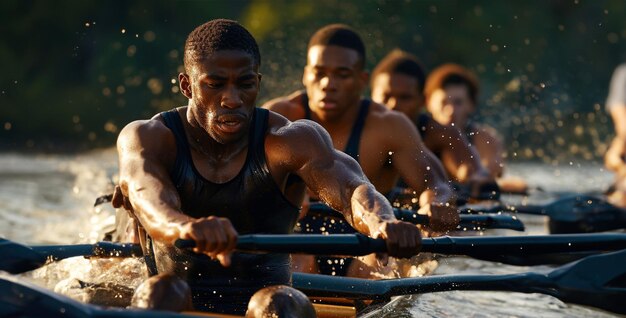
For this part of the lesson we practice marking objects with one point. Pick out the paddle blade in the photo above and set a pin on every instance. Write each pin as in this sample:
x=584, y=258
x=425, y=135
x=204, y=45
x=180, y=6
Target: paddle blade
x=18, y=258
x=584, y=214
x=598, y=281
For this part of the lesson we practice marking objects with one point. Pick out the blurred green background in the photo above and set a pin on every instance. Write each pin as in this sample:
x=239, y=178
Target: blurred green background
x=75, y=72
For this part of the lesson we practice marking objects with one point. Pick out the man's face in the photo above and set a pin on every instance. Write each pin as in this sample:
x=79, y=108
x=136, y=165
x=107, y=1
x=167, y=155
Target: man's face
x=451, y=105
x=223, y=88
x=398, y=92
x=334, y=80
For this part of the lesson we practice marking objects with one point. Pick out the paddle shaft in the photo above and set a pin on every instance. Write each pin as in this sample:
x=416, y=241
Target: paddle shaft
x=357, y=245
x=100, y=249
x=355, y=288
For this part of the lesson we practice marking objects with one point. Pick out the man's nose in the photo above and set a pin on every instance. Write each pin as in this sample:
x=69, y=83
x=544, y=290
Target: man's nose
x=328, y=82
x=232, y=98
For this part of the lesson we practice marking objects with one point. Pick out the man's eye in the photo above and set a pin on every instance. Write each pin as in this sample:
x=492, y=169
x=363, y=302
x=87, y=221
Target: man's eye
x=214, y=85
x=247, y=85
x=344, y=74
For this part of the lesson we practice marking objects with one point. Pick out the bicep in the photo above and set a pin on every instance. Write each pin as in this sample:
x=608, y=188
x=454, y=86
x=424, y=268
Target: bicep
x=412, y=159
x=144, y=175
x=330, y=174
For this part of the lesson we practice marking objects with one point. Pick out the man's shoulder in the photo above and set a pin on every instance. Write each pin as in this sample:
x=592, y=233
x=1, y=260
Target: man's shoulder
x=384, y=116
x=289, y=106
x=146, y=134
x=487, y=134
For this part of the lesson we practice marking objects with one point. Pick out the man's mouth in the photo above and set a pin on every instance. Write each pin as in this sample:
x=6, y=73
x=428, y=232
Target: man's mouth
x=231, y=123
x=327, y=103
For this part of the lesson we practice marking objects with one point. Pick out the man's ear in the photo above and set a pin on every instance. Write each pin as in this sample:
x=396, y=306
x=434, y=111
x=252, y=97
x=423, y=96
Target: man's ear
x=185, y=85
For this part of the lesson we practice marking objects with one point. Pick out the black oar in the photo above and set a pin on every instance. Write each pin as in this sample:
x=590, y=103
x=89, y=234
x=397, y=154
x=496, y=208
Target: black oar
x=495, y=248
x=572, y=214
x=598, y=281
x=467, y=223
x=17, y=258
x=20, y=299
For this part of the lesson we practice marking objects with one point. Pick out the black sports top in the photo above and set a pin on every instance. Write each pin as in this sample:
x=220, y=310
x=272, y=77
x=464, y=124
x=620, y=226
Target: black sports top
x=253, y=203
x=423, y=119
x=352, y=147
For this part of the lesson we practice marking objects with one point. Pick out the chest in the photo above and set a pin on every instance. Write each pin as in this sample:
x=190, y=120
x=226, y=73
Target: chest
x=219, y=170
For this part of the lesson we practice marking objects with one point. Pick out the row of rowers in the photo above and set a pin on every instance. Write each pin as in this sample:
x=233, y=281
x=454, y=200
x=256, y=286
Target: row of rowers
x=435, y=156
x=220, y=167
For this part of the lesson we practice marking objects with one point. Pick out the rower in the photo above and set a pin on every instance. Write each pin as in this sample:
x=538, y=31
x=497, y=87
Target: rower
x=218, y=167
x=384, y=143
x=451, y=93
x=398, y=82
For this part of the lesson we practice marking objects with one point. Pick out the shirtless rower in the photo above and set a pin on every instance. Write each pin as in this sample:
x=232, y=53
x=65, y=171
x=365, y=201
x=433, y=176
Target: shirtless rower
x=451, y=93
x=217, y=168
x=398, y=82
x=385, y=143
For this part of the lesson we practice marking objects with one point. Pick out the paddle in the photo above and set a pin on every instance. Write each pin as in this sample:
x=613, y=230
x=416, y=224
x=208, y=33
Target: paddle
x=598, y=281
x=18, y=258
x=467, y=223
x=491, y=248
x=572, y=214
x=20, y=299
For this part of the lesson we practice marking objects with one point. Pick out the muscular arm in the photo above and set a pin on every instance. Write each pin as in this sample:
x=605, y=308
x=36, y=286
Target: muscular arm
x=335, y=177
x=422, y=171
x=491, y=150
x=460, y=159
x=417, y=165
x=305, y=148
x=144, y=178
x=146, y=151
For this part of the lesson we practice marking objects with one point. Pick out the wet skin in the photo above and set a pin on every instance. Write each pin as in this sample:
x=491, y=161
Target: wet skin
x=334, y=82
x=222, y=89
x=400, y=92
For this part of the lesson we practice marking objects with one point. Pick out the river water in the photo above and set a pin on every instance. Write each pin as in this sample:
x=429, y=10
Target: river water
x=49, y=200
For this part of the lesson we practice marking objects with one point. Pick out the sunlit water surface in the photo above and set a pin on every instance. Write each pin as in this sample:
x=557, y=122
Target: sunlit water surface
x=49, y=200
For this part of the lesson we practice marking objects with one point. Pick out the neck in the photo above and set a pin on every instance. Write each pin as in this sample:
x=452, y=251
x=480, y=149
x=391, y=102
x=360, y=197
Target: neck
x=339, y=121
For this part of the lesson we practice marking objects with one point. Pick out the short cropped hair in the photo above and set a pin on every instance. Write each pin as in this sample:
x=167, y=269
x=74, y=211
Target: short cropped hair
x=401, y=62
x=339, y=35
x=218, y=35
x=452, y=74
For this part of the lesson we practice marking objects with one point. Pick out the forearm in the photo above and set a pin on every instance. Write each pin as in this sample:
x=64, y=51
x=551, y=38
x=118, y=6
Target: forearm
x=437, y=187
x=368, y=210
x=158, y=211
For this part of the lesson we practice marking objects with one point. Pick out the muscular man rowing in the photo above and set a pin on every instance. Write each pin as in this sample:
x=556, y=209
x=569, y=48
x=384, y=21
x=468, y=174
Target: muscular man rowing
x=218, y=167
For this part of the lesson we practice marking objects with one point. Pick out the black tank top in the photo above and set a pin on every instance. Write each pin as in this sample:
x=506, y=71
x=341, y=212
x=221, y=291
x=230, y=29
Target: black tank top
x=254, y=204
x=422, y=123
x=352, y=147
